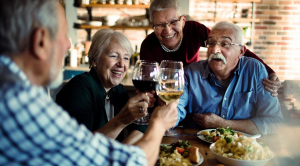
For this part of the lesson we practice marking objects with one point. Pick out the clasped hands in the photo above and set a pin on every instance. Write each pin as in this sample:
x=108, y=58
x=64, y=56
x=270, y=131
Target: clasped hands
x=208, y=120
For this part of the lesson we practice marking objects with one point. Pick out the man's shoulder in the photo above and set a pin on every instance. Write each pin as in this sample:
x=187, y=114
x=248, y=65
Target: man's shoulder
x=16, y=96
x=251, y=62
x=198, y=69
x=252, y=66
x=196, y=65
x=151, y=38
x=194, y=26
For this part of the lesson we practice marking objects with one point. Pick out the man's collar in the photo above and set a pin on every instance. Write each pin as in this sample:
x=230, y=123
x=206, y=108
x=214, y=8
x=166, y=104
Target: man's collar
x=239, y=66
x=10, y=70
x=207, y=71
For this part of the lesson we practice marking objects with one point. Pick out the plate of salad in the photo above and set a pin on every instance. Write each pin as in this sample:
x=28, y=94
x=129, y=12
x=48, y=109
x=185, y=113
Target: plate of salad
x=212, y=135
x=179, y=153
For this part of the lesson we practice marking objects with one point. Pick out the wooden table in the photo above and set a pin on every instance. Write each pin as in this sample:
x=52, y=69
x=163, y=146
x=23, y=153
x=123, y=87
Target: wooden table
x=280, y=148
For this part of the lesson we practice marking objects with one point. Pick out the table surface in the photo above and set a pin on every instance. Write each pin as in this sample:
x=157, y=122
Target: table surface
x=279, y=148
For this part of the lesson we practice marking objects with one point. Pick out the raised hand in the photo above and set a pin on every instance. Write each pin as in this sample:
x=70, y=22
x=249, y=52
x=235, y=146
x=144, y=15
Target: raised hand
x=166, y=115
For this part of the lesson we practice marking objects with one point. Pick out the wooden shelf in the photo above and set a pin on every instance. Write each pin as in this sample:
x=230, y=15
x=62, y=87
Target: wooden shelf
x=235, y=19
x=113, y=6
x=83, y=26
x=89, y=8
x=236, y=1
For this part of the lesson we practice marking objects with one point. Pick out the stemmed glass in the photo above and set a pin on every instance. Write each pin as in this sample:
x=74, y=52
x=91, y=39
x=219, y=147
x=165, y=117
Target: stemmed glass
x=170, y=84
x=145, y=79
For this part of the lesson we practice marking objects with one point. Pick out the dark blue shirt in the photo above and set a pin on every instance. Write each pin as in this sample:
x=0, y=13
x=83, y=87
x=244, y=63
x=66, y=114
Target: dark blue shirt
x=244, y=98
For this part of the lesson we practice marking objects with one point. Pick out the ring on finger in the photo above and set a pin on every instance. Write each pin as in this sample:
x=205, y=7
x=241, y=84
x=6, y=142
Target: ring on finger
x=142, y=109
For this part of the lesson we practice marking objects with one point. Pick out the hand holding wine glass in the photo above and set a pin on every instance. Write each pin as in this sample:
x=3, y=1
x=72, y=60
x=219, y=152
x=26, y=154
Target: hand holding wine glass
x=144, y=78
x=170, y=83
x=130, y=111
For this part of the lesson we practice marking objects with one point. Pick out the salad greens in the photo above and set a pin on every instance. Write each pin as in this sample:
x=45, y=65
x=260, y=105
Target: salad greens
x=179, y=144
x=218, y=133
x=207, y=138
x=226, y=131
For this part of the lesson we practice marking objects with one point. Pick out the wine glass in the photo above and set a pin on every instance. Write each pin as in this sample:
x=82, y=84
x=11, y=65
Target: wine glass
x=170, y=84
x=144, y=78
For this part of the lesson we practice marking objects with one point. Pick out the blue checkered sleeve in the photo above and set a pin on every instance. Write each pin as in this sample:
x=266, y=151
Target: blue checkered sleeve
x=36, y=131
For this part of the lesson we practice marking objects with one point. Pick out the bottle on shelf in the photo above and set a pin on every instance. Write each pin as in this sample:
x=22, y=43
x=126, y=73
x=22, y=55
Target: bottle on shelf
x=93, y=2
x=135, y=56
x=136, y=2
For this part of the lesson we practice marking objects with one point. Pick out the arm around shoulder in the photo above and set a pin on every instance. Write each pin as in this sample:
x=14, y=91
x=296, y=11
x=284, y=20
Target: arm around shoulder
x=268, y=110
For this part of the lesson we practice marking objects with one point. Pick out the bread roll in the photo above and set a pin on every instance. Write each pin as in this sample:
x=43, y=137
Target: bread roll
x=194, y=154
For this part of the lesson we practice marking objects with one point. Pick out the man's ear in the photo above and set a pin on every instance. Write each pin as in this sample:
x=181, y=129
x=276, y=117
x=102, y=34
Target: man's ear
x=183, y=17
x=40, y=43
x=151, y=24
x=242, y=51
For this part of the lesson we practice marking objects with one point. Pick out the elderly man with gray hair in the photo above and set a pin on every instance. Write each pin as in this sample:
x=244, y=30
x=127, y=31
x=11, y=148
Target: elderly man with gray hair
x=226, y=89
x=34, y=130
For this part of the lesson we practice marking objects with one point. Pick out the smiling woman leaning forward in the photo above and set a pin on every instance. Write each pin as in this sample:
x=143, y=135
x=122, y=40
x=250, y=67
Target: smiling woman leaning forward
x=97, y=99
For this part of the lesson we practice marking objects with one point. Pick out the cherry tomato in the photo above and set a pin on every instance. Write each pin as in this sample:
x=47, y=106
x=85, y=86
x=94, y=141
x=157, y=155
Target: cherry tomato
x=215, y=138
x=179, y=150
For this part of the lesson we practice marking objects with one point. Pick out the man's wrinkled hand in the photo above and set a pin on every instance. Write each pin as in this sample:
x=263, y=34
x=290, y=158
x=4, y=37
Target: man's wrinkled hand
x=208, y=120
x=273, y=84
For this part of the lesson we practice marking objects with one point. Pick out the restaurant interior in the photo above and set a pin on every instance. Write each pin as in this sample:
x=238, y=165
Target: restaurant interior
x=271, y=28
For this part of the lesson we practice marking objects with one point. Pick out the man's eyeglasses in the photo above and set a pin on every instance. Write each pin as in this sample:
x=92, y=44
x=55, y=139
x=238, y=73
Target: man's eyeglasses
x=222, y=44
x=159, y=27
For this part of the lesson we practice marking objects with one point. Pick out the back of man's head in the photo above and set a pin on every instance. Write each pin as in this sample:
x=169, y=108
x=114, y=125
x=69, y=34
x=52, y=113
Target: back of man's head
x=20, y=18
x=239, y=34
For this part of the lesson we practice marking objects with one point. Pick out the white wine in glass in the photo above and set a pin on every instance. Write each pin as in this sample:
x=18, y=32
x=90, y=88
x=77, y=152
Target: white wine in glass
x=170, y=84
x=170, y=96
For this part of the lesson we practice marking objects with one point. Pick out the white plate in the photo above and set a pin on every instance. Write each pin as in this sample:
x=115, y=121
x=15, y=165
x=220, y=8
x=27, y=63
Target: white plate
x=193, y=164
x=203, y=139
x=235, y=162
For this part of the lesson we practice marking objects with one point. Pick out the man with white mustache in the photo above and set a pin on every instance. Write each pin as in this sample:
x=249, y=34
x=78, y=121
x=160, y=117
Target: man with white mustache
x=226, y=89
x=217, y=56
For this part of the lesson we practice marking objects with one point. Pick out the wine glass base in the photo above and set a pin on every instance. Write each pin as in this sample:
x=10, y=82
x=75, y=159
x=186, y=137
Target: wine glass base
x=140, y=123
x=143, y=120
x=170, y=132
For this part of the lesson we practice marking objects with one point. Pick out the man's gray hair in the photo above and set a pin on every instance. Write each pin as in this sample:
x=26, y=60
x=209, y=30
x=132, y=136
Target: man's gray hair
x=161, y=5
x=20, y=18
x=239, y=33
x=101, y=40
